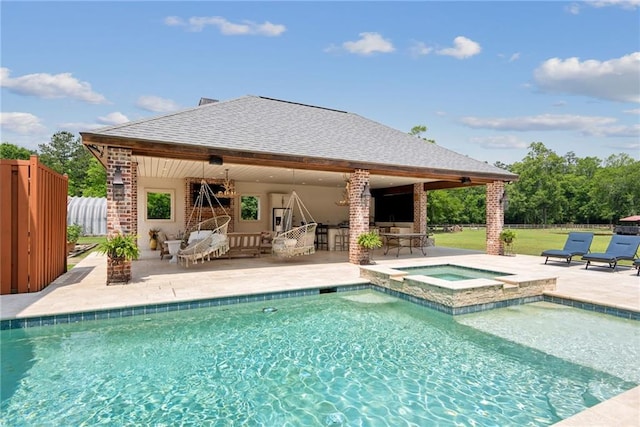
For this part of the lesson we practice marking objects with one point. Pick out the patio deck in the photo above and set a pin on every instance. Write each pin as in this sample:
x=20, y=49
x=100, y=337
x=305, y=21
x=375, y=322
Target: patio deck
x=157, y=281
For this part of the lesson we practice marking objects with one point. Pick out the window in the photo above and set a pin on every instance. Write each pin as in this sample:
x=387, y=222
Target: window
x=250, y=208
x=160, y=205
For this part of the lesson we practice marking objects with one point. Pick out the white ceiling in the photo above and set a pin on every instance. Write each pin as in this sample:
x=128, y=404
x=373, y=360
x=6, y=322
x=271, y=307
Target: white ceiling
x=173, y=168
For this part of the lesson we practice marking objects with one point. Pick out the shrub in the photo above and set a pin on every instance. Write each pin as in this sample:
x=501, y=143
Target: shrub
x=73, y=233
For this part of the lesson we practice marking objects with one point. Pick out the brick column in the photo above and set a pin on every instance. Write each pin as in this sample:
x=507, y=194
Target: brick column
x=120, y=217
x=134, y=198
x=495, y=217
x=358, y=216
x=419, y=209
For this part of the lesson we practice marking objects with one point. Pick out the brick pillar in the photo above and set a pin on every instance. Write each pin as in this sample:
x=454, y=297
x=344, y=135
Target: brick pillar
x=120, y=217
x=358, y=216
x=495, y=217
x=419, y=209
x=134, y=198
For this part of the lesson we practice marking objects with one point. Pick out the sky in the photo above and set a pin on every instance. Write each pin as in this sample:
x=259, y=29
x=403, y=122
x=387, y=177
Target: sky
x=486, y=78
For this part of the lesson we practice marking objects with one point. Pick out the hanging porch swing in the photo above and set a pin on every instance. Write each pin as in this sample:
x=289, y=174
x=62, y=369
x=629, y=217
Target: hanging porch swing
x=295, y=241
x=205, y=239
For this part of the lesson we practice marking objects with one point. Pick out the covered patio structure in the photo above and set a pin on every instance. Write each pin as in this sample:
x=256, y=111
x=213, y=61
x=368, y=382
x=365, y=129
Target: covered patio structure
x=265, y=148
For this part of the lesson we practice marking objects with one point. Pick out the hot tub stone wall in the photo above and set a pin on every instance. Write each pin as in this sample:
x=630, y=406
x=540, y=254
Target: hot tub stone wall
x=461, y=294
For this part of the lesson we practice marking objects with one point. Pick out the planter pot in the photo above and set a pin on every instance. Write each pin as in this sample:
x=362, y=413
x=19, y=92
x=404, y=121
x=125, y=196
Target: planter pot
x=71, y=246
x=118, y=270
x=153, y=244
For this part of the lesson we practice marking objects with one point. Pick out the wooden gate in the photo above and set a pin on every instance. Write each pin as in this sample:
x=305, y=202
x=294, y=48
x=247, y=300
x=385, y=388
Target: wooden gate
x=33, y=225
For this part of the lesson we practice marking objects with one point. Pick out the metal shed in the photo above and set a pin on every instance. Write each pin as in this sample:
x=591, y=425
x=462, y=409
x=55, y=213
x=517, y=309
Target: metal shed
x=90, y=213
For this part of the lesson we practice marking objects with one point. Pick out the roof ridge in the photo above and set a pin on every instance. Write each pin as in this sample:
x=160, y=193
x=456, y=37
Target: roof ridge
x=304, y=105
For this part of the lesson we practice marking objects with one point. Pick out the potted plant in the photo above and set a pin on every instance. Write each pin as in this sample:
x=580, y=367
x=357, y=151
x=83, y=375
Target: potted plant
x=369, y=241
x=153, y=238
x=507, y=237
x=120, y=250
x=73, y=234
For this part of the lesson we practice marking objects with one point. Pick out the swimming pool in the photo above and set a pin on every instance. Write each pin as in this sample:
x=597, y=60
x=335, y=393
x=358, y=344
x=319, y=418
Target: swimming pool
x=336, y=359
x=452, y=273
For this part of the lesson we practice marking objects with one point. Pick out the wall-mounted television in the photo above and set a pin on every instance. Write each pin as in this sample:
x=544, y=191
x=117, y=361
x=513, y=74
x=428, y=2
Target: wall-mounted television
x=195, y=191
x=394, y=208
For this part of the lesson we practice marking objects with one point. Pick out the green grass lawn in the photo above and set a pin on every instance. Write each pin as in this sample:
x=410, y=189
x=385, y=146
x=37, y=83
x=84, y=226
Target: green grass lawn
x=528, y=242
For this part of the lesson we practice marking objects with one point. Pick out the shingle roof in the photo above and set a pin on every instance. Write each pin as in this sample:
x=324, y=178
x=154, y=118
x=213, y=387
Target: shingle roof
x=269, y=126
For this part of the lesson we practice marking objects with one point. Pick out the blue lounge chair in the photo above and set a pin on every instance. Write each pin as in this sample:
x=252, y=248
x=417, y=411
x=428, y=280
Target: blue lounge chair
x=620, y=247
x=576, y=244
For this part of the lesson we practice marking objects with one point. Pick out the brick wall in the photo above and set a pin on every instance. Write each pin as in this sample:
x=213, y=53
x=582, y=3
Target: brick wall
x=358, y=216
x=495, y=217
x=419, y=208
x=134, y=197
x=121, y=214
x=205, y=213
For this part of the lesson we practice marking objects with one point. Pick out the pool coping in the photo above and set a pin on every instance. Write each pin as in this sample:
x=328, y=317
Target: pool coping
x=146, y=309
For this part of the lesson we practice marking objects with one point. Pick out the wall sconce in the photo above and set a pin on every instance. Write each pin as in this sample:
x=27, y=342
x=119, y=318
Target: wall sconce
x=465, y=180
x=118, y=185
x=366, y=192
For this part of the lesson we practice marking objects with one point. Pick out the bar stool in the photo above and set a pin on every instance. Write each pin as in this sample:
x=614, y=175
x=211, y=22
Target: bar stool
x=322, y=237
x=342, y=240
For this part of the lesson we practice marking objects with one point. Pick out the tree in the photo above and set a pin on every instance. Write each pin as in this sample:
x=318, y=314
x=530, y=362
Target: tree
x=95, y=183
x=538, y=196
x=418, y=131
x=11, y=151
x=615, y=191
x=66, y=155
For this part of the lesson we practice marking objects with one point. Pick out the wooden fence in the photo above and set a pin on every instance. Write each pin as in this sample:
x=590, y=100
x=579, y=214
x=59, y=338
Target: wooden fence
x=33, y=226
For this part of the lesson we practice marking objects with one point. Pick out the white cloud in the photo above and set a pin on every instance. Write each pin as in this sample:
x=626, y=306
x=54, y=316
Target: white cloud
x=586, y=125
x=624, y=4
x=368, y=44
x=633, y=111
x=227, y=28
x=514, y=57
x=543, y=122
x=420, y=49
x=463, y=48
x=632, y=147
x=575, y=8
x=559, y=104
x=50, y=86
x=500, y=142
x=614, y=131
x=115, y=118
x=173, y=21
x=75, y=127
x=156, y=104
x=614, y=80
x=21, y=123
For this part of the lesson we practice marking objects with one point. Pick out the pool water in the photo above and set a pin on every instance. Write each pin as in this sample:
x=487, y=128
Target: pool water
x=357, y=358
x=451, y=272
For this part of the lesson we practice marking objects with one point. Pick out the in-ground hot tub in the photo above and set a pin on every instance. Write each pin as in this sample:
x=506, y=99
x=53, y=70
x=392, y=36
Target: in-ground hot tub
x=460, y=289
x=452, y=273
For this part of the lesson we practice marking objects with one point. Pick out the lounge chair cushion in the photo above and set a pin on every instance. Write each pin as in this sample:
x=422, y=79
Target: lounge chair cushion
x=578, y=243
x=621, y=247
